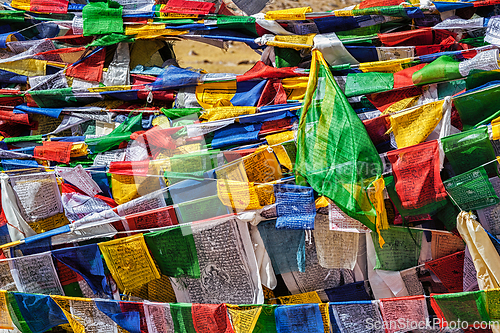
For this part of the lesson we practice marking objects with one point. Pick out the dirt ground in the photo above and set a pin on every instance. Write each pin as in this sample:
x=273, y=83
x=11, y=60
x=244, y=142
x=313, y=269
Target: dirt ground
x=239, y=57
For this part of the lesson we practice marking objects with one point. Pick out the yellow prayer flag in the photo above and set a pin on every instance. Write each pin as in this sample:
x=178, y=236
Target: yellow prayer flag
x=262, y=166
x=295, y=87
x=78, y=150
x=161, y=121
x=296, y=42
x=275, y=139
x=385, y=66
x=5, y=320
x=405, y=103
x=27, y=67
x=226, y=112
x=151, y=31
x=129, y=262
x=129, y=187
x=21, y=4
x=210, y=94
x=77, y=324
x=288, y=14
x=265, y=193
x=322, y=202
x=239, y=196
x=325, y=315
x=414, y=126
x=305, y=298
x=283, y=157
x=244, y=318
x=495, y=127
x=377, y=198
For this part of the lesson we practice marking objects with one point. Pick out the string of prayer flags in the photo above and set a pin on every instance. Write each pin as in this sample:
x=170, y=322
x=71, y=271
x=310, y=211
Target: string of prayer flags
x=472, y=190
x=129, y=262
x=175, y=251
x=416, y=172
x=295, y=207
x=358, y=161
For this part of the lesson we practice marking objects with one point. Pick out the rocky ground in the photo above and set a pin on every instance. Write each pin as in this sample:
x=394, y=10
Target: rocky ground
x=238, y=58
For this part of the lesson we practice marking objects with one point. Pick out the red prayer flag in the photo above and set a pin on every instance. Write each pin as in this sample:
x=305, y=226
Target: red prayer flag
x=89, y=69
x=376, y=129
x=262, y=71
x=54, y=151
x=129, y=168
x=189, y=7
x=155, y=218
x=403, y=79
x=273, y=93
x=49, y=6
x=211, y=318
x=450, y=270
x=385, y=99
x=422, y=36
x=416, y=173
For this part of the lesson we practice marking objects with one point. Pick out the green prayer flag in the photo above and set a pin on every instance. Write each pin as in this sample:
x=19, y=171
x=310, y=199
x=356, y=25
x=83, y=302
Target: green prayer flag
x=107, y=142
x=478, y=105
x=444, y=68
x=182, y=112
x=472, y=190
x=448, y=215
x=54, y=97
x=401, y=249
x=11, y=16
x=101, y=18
x=200, y=209
x=286, y=57
x=470, y=149
x=266, y=322
x=244, y=23
x=334, y=152
x=15, y=314
x=111, y=40
x=368, y=83
x=23, y=138
x=182, y=317
x=175, y=251
x=466, y=306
